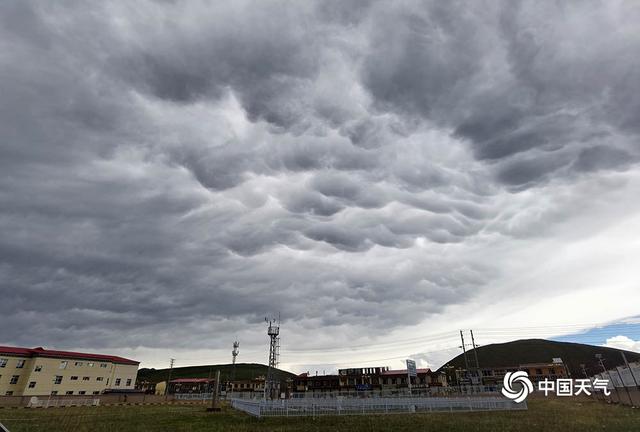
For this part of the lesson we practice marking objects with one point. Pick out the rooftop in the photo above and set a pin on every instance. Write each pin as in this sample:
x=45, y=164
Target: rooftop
x=404, y=371
x=41, y=352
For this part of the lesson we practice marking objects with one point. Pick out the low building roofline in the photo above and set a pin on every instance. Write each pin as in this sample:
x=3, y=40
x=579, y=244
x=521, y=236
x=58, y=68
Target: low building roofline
x=42, y=352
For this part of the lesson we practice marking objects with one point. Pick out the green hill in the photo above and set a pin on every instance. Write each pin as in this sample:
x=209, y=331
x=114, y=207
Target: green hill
x=242, y=371
x=542, y=351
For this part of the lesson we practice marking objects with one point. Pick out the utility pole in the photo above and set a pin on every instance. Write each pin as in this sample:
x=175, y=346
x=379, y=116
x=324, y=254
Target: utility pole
x=215, y=404
x=475, y=353
x=464, y=352
x=166, y=389
x=208, y=385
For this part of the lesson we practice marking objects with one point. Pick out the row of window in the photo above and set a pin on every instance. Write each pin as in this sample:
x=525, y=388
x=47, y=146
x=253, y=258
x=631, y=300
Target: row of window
x=63, y=364
x=19, y=364
x=249, y=386
x=58, y=380
x=70, y=392
x=501, y=372
x=363, y=371
x=382, y=380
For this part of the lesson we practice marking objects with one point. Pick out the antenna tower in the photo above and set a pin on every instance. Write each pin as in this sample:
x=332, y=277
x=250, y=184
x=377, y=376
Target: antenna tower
x=270, y=385
x=235, y=351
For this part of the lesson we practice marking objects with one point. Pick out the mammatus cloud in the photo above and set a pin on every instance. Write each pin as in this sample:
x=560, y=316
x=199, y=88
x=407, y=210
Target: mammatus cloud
x=173, y=170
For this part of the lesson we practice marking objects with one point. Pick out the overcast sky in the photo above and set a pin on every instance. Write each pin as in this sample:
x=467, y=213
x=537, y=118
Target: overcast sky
x=382, y=174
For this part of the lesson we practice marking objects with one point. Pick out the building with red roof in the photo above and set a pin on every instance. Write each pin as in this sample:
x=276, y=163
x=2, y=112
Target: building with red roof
x=39, y=372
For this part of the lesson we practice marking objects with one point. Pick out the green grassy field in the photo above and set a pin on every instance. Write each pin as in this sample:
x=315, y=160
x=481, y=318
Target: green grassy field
x=547, y=415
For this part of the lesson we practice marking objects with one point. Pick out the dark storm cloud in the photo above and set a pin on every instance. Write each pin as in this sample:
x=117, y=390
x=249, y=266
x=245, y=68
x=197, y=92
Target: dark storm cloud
x=186, y=167
x=265, y=57
x=512, y=78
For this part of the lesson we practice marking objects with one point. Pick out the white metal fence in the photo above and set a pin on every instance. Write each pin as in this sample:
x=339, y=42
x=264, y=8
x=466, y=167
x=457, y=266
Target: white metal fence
x=354, y=406
x=252, y=395
x=249, y=406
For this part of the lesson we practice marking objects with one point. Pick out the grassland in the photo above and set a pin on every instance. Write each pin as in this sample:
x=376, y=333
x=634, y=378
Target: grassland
x=546, y=415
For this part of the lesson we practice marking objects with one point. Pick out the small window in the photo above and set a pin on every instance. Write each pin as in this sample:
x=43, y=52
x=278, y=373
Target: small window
x=70, y=392
x=78, y=364
x=128, y=382
x=85, y=378
x=20, y=364
x=63, y=364
x=55, y=392
x=103, y=365
x=81, y=392
x=74, y=378
x=117, y=382
x=9, y=393
x=38, y=368
x=32, y=384
x=90, y=364
x=3, y=362
x=99, y=378
x=58, y=379
x=96, y=392
x=14, y=379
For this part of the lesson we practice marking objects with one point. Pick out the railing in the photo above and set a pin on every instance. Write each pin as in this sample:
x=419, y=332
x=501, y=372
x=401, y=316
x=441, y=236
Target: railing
x=355, y=406
x=46, y=403
x=252, y=407
x=248, y=395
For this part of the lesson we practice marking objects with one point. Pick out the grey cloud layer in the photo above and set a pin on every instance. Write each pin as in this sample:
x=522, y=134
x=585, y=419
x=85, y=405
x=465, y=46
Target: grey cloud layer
x=186, y=162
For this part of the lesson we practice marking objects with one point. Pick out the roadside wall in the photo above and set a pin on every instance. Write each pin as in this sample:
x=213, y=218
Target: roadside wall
x=23, y=401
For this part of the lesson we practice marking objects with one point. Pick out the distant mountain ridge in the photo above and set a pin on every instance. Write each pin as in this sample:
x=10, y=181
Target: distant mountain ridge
x=526, y=351
x=243, y=371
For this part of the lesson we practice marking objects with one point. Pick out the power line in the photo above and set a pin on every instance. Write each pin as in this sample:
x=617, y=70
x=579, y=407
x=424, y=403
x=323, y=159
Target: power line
x=391, y=358
x=429, y=338
x=585, y=333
